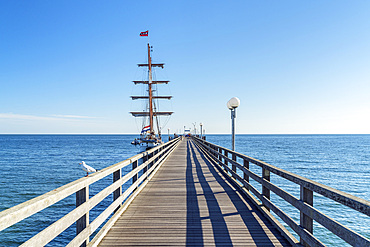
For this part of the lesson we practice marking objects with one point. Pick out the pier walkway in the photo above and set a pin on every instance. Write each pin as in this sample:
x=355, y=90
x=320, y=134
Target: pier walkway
x=189, y=202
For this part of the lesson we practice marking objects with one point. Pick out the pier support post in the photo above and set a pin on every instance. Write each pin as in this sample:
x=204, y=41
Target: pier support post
x=118, y=192
x=305, y=221
x=81, y=197
x=265, y=191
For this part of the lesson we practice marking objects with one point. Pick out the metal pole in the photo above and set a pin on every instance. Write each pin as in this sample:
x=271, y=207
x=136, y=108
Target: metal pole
x=233, y=115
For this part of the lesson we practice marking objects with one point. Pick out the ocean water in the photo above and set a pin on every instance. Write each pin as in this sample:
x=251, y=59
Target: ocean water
x=31, y=165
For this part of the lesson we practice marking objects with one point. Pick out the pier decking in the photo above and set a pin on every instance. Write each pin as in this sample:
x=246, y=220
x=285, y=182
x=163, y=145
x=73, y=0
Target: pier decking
x=188, y=202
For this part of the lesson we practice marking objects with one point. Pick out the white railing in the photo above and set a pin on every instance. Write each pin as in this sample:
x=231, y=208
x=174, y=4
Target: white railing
x=308, y=213
x=151, y=160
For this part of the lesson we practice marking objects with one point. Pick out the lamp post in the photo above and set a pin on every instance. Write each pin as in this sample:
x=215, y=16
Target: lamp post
x=232, y=104
x=201, y=130
x=195, y=129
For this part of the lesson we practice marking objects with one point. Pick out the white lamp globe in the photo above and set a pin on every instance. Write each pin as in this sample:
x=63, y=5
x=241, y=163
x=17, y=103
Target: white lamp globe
x=229, y=106
x=233, y=103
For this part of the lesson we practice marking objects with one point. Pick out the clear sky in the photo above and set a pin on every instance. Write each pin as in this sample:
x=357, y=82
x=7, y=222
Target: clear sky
x=298, y=67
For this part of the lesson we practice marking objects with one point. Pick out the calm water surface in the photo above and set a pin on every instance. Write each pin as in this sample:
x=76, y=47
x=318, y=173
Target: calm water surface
x=32, y=165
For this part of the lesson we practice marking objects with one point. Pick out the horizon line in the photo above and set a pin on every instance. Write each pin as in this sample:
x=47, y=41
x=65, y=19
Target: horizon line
x=182, y=134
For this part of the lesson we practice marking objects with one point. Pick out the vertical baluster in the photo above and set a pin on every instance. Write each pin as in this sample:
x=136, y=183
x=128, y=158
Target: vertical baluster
x=135, y=177
x=305, y=221
x=81, y=197
x=118, y=192
x=226, y=153
x=145, y=169
x=151, y=163
x=246, y=177
x=233, y=167
x=266, y=191
x=144, y=159
x=155, y=159
x=219, y=157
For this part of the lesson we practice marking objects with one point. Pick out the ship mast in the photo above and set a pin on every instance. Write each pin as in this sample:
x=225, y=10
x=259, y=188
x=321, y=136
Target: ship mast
x=150, y=91
x=153, y=111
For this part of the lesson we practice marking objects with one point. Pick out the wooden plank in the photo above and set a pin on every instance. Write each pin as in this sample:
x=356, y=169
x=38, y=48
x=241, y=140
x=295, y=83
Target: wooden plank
x=189, y=202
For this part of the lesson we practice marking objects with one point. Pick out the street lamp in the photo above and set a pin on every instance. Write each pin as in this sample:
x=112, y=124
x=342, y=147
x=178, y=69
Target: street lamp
x=201, y=130
x=232, y=104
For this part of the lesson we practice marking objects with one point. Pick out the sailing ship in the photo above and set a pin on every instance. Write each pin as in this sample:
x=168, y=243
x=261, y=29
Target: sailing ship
x=150, y=136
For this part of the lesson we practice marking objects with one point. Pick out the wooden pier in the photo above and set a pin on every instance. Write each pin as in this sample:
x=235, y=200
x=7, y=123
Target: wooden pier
x=190, y=203
x=189, y=192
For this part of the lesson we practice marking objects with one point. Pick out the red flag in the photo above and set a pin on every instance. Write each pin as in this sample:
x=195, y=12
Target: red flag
x=144, y=33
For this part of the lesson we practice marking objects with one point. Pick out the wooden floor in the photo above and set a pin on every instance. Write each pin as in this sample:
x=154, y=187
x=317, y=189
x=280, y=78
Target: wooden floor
x=188, y=202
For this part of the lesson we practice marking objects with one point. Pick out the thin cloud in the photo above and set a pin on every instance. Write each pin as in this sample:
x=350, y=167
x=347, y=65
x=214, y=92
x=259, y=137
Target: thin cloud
x=74, y=116
x=12, y=116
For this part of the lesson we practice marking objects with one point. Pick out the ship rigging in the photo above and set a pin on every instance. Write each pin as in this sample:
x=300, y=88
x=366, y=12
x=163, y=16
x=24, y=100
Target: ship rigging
x=149, y=137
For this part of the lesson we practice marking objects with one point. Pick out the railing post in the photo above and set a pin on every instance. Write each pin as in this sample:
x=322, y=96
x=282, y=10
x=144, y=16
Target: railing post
x=219, y=150
x=81, y=197
x=118, y=192
x=265, y=191
x=144, y=159
x=135, y=177
x=148, y=158
x=246, y=165
x=233, y=167
x=156, y=152
x=305, y=221
x=226, y=153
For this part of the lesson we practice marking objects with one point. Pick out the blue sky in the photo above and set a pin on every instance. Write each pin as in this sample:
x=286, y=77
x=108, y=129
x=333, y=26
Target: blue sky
x=298, y=67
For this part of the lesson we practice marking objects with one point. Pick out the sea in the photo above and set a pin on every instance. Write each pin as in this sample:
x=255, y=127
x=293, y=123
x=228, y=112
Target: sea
x=31, y=165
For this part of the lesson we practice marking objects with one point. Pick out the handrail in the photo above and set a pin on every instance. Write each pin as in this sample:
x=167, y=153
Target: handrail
x=305, y=204
x=151, y=160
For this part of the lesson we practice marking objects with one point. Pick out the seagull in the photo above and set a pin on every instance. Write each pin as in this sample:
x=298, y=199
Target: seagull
x=87, y=168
